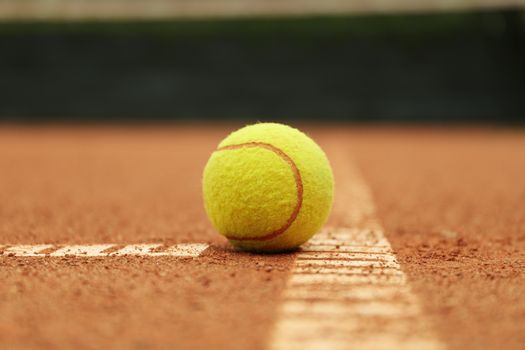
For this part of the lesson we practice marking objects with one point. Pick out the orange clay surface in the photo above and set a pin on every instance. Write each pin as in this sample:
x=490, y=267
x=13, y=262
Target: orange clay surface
x=452, y=203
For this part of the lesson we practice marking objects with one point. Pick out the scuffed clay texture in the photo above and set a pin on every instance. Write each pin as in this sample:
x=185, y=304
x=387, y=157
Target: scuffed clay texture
x=251, y=191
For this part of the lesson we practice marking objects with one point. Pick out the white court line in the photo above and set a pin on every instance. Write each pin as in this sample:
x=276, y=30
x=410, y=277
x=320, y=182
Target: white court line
x=309, y=248
x=137, y=249
x=379, y=243
x=344, y=270
x=183, y=250
x=347, y=290
x=349, y=263
x=349, y=279
x=96, y=250
x=362, y=293
x=330, y=328
x=336, y=254
x=25, y=250
x=82, y=250
x=332, y=309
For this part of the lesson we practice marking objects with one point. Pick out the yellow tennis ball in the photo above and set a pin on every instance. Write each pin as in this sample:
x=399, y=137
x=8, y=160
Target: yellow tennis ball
x=268, y=187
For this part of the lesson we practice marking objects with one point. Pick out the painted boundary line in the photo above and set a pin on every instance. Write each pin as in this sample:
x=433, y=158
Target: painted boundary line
x=347, y=290
x=108, y=250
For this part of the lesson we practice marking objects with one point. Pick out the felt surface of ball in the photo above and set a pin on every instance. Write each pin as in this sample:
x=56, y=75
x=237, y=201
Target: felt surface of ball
x=268, y=187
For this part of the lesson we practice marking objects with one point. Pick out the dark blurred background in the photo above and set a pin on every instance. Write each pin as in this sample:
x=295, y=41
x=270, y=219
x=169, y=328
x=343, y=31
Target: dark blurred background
x=465, y=65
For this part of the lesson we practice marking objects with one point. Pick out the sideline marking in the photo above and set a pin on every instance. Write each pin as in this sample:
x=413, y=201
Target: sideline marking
x=183, y=250
x=82, y=250
x=25, y=250
x=94, y=250
x=346, y=289
x=136, y=249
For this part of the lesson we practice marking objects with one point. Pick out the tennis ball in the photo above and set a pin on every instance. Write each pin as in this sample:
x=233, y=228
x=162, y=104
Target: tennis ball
x=268, y=188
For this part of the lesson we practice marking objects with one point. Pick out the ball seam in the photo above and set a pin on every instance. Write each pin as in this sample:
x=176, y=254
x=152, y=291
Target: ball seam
x=298, y=183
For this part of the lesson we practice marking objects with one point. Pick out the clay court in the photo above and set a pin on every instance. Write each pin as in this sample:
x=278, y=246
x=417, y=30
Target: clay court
x=110, y=110
x=449, y=201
